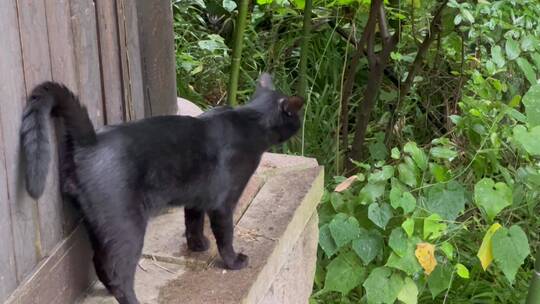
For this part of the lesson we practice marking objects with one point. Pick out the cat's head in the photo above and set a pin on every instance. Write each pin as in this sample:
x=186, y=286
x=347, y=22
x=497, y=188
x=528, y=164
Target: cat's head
x=279, y=112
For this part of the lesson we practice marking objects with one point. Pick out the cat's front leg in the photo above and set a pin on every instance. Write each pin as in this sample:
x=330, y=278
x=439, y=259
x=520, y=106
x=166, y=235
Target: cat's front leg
x=194, y=220
x=221, y=221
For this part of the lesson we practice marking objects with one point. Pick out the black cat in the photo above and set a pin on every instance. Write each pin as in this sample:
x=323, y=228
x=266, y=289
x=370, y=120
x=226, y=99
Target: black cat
x=117, y=176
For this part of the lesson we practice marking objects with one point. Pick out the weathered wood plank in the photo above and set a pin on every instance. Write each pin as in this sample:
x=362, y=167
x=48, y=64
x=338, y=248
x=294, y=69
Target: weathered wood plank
x=64, y=70
x=8, y=273
x=132, y=76
x=23, y=208
x=62, y=277
x=157, y=51
x=61, y=43
x=85, y=41
x=111, y=67
x=37, y=68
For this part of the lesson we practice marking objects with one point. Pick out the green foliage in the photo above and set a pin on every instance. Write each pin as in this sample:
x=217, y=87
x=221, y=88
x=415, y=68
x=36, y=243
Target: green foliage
x=510, y=248
x=383, y=285
x=465, y=146
x=492, y=197
x=344, y=273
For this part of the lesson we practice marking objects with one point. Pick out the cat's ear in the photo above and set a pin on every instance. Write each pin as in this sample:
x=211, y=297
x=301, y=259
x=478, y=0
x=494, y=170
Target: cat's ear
x=291, y=104
x=265, y=81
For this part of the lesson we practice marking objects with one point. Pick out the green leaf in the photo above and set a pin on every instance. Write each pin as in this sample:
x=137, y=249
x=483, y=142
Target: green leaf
x=444, y=153
x=405, y=200
x=512, y=49
x=344, y=228
x=528, y=43
x=382, y=175
x=467, y=15
x=439, y=280
x=383, y=286
x=378, y=150
x=531, y=101
x=326, y=241
x=336, y=199
x=497, y=55
x=395, y=154
x=433, y=227
x=528, y=139
x=380, y=214
x=536, y=59
x=408, y=226
x=516, y=100
x=215, y=42
x=408, y=262
x=510, y=248
x=368, y=245
x=448, y=250
x=462, y=271
x=457, y=19
x=527, y=70
x=417, y=155
x=344, y=273
x=409, y=292
x=229, y=5
x=440, y=173
x=492, y=197
x=407, y=174
x=300, y=4
x=398, y=241
x=371, y=192
x=447, y=200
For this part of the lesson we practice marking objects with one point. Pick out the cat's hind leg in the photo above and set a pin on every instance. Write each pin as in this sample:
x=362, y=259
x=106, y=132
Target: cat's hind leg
x=118, y=260
x=194, y=220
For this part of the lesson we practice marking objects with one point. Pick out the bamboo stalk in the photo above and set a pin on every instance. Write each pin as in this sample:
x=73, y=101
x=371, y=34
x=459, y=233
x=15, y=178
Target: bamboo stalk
x=304, y=49
x=534, y=290
x=237, y=51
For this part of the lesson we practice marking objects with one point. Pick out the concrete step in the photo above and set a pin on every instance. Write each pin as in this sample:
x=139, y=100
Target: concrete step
x=276, y=226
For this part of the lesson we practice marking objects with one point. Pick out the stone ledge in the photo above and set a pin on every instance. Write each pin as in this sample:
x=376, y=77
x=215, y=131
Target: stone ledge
x=272, y=225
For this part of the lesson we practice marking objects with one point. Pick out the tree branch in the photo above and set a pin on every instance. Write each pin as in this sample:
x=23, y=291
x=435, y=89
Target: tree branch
x=405, y=88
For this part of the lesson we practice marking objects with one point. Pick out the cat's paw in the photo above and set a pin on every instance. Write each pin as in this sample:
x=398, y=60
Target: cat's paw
x=240, y=262
x=198, y=244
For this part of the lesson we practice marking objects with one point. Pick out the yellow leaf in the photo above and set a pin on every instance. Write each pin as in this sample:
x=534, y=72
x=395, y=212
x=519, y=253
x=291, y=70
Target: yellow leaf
x=425, y=253
x=485, y=254
x=344, y=185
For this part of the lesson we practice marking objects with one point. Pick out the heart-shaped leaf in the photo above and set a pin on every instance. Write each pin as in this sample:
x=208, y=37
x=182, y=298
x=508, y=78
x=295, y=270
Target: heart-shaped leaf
x=368, y=245
x=492, y=197
x=380, y=214
x=510, y=248
x=531, y=101
x=344, y=273
x=383, y=286
x=344, y=229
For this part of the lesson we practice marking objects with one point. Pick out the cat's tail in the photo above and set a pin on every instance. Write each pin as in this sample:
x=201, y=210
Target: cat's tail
x=46, y=100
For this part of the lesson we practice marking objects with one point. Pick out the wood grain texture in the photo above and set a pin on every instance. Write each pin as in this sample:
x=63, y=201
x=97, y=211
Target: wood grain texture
x=85, y=42
x=111, y=67
x=62, y=277
x=62, y=54
x=37, y=68
x=23, y=209
x=8, y=272
x=132, y=77
x=61, y=43
x=157, y=51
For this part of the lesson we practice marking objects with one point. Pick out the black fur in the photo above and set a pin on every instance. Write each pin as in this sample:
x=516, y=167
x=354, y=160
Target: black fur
x=119, y=175
x=46, y=98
